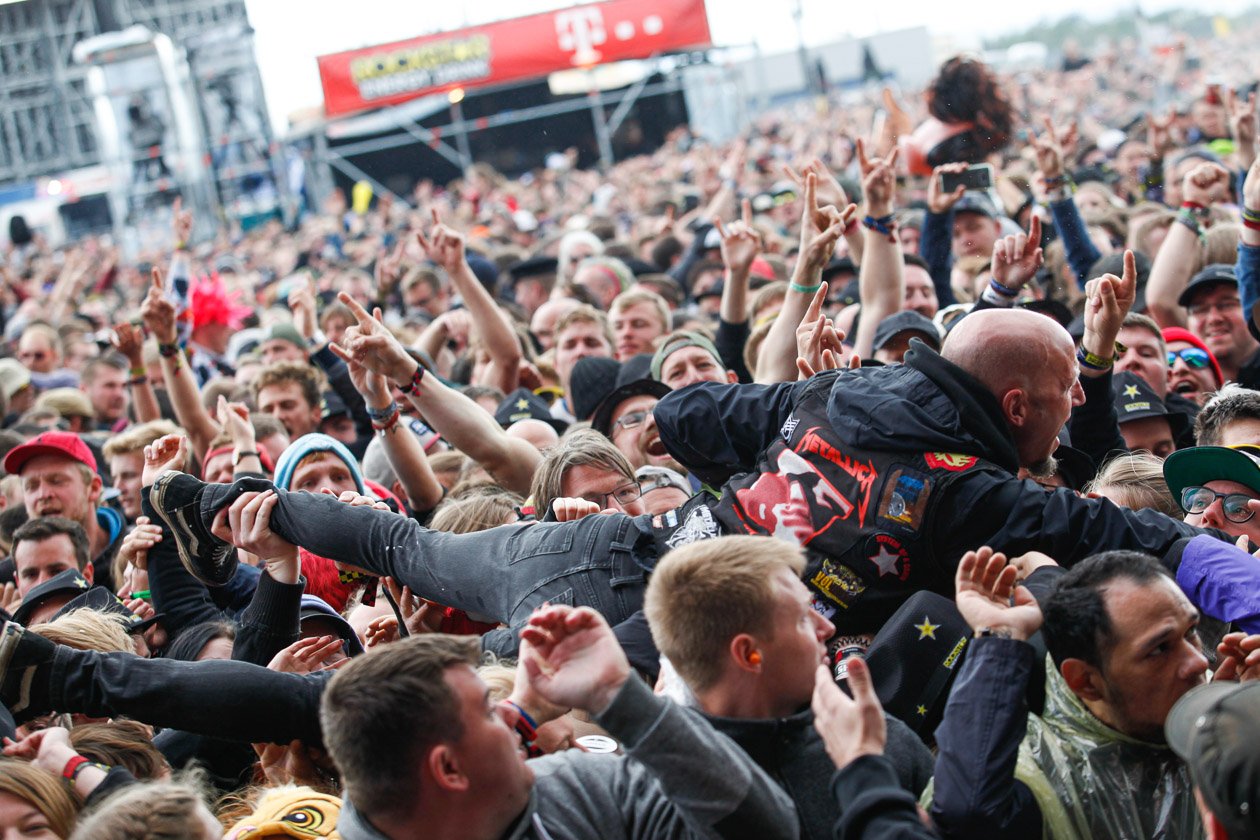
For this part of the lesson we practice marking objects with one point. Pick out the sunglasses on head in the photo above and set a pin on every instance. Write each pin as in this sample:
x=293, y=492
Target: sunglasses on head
x=1193, y=357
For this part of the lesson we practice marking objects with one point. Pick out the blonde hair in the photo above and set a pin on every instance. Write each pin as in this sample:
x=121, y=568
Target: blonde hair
x=477, y=511
x=499, y=678
x=148, y=811
x=585, y=447
x=1136, y=481
x=137, y=438
x=584, y=313
x=42, y=790
x=702, y=595
x=88, y=629
x=636, y=295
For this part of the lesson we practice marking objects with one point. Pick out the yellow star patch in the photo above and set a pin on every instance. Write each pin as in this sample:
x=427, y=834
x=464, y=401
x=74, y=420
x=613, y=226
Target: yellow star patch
x=522, y=404
x=1131, y=391
x=927, y=630
x=921, y=711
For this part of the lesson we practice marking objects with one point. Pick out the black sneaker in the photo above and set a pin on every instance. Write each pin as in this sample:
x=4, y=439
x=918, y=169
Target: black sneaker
x=176, y=497
x=21, y=653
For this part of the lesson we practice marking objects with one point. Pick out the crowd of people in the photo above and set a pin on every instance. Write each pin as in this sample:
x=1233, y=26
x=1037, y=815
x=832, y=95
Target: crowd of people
x=770, y=488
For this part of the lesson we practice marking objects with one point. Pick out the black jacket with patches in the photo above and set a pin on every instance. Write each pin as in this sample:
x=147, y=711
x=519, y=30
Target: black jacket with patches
x=886, y=476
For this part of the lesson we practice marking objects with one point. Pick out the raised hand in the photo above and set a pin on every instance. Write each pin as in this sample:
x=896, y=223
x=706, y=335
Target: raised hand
x=741, y=243
x=129, y=340
x=1159, y=132
x=853, y=728
x=419, y=615
x=1016, y=258
x=1242, y=125
x=444, y=245
x=819, y=345
x=1049, y=152
x=879, y=180
x=157, y=312
x=575, y=661
x=169, y=452
x=938, y=200
x=829, y=190
x=820, y=230
x=181, y=223
x=370, y=344
x=984, y=586
x=1107, y=300
x=135, y=546
x=302, y=305
x=1239, y=657
x=306, y=656
x=1206, y=184
x=388, y=269
x=234, y=418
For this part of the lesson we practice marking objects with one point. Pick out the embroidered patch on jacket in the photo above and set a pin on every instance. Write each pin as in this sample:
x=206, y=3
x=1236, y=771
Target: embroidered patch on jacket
x=699, y=525
x=905, y=498
x=889, y=556
x=838, y=584
x=952, y=461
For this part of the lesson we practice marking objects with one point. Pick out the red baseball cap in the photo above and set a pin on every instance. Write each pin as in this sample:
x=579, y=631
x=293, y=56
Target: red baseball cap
x=66, y=444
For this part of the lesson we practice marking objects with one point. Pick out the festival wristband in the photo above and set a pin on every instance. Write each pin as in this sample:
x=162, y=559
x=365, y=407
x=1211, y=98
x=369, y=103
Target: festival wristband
x=805, y=290
x=1093, y=361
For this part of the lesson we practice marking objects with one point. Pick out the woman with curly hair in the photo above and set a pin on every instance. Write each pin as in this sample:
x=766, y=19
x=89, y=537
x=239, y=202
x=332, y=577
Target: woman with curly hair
x=971, y=117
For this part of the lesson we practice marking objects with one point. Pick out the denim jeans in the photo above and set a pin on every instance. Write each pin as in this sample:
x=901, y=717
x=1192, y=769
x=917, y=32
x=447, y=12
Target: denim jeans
x=504, y=573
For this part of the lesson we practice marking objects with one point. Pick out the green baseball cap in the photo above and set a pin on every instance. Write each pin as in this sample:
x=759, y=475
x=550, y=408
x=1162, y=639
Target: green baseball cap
x=679, y=340
x=1198, y=465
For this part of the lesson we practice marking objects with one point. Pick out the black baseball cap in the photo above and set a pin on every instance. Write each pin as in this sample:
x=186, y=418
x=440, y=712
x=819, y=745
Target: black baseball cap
x=1214, y=728
x=524, y=404
x=533, y=267
x=907, y=321
x=1216, y=274
x=70, y=583
x=1135, y=400
x=602, y=419
x=102, y=600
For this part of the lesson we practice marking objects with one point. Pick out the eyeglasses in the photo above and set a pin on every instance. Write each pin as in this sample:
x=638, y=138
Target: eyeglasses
x=1194, y=358
x=631, y=420
x=625, y=494
x=1222, y=306
x=1234, y=505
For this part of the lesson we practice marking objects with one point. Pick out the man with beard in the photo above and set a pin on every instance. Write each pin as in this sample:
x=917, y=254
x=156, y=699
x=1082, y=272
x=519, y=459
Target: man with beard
x=60, y=478
x=104, y=380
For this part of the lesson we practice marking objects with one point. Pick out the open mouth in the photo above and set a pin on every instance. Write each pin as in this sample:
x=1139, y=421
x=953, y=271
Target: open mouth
x=655, y=448
x=1184, y=387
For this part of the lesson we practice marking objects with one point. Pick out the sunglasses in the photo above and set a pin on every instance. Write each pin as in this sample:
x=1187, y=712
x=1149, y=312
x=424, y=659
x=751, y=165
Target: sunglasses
x=1194, y=358
x=1233, y=505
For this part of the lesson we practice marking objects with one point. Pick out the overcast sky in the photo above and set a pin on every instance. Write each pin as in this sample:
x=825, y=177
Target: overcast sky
x=290, y=35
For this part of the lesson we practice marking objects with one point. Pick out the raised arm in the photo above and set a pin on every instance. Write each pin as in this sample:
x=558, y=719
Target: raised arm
x=463, y=423
x=881, y=278
x=402, y=448
x=1179, y=255
x=445, y=246
x=129, y=340
x=821, y=228
x=159, y=316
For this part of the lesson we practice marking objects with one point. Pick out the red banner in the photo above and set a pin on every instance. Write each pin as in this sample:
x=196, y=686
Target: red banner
x=509, y=50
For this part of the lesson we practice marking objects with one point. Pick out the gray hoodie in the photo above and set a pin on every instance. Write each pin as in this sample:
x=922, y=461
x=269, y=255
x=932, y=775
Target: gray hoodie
x=679, y=779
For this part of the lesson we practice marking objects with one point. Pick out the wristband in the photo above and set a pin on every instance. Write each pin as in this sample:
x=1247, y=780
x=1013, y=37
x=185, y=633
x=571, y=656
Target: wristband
x=168, y=351
x=1196, y=208
x=381, y=413
x=138, y=371
x=1092, y=361
x=887, y=225
x=1005, y=291
x=1251, y=225
x=241, y=456
x=1190, y=219
x=526, y=729
x=412, y=388
x=991, y=295
x=1056, y=181
x=142, y=594
x=386, y=425
x=1250, y=215
x=805, y=290
x=142, y=379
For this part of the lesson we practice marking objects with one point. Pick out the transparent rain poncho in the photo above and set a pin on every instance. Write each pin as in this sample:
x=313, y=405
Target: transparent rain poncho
x=1091, y=781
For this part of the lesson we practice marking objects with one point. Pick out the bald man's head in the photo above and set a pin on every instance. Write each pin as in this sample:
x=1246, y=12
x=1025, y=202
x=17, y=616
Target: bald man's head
x=1027, y=362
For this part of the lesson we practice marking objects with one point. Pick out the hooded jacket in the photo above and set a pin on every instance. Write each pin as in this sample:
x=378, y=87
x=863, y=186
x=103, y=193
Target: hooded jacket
x=886, y=476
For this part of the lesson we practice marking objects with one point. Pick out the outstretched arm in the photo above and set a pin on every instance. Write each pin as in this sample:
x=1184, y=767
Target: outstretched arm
x=454, y=416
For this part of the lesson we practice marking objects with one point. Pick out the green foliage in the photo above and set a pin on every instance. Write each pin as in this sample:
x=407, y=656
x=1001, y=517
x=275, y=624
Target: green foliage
x=1087, y=32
